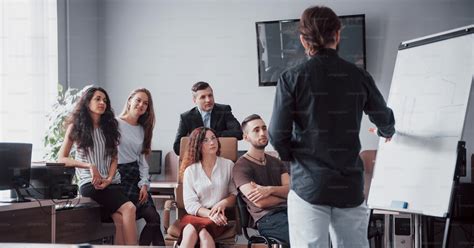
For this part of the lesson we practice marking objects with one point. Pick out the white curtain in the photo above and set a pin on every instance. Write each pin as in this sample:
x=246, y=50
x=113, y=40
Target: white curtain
x=28, y=70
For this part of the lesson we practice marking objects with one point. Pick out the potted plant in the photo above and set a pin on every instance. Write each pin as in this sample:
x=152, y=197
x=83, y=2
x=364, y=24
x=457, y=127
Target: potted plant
x=60, y=110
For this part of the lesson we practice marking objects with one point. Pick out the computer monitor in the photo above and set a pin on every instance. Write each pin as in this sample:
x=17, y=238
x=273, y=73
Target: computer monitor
x=154, y=161
x=15, y=168
x=279, y=46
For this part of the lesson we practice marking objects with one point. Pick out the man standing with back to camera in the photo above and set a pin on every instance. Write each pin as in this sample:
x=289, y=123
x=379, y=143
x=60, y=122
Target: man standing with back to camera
x=207, y=113
x=315, y=124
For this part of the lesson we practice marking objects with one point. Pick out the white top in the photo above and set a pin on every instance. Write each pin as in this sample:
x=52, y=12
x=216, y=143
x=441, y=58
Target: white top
x=96, y=155
x=199, y=191
x=130, y=149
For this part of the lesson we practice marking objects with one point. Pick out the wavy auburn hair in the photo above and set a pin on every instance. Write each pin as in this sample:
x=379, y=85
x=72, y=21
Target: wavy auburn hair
x=194, y=152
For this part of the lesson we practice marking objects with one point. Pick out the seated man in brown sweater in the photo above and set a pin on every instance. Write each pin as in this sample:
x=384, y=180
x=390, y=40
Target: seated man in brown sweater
x=264, y=182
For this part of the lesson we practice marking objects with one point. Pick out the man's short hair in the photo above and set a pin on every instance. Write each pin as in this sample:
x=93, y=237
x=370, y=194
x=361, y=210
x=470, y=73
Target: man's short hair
x=249, y=119
x=199, y=86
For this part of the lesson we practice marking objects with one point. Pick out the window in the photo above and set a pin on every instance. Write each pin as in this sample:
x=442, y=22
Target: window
x=28, y=70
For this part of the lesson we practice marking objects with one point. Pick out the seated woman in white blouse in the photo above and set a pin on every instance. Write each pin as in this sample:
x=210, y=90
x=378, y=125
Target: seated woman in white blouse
x=208, y=190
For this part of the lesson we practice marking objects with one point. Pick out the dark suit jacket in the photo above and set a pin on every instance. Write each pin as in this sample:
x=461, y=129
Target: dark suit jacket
x=222, y=121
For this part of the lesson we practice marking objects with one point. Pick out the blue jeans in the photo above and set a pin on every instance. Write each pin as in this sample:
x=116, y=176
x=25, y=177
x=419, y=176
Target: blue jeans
x=275, y=225
x=311, y=225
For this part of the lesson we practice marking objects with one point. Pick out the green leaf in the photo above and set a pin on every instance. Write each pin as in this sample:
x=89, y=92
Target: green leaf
x=60, y=110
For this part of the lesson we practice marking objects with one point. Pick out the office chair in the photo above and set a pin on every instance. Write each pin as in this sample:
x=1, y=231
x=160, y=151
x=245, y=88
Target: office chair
x=246, y=222
x=228, y=238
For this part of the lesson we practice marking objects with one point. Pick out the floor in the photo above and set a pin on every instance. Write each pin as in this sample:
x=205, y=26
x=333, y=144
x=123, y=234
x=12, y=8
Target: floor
x=159, y=203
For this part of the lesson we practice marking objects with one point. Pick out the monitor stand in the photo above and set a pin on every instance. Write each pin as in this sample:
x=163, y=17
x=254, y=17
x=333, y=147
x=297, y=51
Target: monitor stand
x=19, y=198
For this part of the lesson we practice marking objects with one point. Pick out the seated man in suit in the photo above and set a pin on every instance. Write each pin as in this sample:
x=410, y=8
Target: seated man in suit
x=208, y=114
x=264, y=181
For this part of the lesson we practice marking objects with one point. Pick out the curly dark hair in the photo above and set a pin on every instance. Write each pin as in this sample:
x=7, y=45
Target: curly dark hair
x=194, y=152
x=83, y=127
x=318, y=26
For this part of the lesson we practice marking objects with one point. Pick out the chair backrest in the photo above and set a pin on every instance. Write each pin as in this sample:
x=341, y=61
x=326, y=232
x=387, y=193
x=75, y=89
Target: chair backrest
x=368, y=158
x=171, y=166
x=228, y=150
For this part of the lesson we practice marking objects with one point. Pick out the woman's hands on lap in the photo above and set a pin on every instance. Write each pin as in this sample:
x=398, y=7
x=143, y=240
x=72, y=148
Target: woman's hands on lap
x=143, y=197
x=96, y=178
x=219, y=219
x=103, y=183
x=217, y=214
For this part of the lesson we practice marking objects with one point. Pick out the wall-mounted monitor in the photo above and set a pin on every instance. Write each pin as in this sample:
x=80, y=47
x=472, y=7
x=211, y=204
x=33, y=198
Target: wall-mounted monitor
x=279, y=47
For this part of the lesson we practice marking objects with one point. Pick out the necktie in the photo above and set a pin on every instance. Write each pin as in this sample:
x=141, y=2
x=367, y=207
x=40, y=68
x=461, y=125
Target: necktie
x=207, y=120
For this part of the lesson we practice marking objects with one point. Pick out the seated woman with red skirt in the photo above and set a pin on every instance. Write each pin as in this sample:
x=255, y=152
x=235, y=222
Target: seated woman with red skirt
x=208, y=190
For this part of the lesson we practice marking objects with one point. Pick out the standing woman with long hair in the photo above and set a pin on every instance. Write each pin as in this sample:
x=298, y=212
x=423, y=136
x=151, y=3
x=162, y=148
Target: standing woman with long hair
x=136, y=127
x=93, y=129
x=208, y=189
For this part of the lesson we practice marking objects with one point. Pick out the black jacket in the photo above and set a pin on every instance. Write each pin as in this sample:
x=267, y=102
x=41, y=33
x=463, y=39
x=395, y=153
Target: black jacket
x=222, y=121
x=316, y=122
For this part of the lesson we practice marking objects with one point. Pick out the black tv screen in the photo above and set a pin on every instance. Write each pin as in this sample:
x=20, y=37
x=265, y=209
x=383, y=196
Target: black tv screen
x=279, y=46
x=15, y=168
x=15, y=165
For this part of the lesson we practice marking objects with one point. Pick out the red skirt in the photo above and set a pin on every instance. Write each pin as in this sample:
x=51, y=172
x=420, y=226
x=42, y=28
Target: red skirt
x=200, y=223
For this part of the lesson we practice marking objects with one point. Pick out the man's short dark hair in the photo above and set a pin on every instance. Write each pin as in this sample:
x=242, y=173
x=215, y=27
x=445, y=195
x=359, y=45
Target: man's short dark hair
x=201, y=85
x=249, y=119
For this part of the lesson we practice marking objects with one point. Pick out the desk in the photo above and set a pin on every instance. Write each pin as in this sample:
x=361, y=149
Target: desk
x=163, y=189
x=44, y=221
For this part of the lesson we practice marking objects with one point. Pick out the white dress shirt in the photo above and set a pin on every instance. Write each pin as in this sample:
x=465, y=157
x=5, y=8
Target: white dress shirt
x=206, y=117
x=199, y=191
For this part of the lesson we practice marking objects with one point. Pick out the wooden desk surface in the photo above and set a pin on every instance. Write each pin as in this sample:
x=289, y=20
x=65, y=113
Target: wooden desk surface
x=75, y=220
x=31, y=245
x=170, y=184
x=163, y=189
x=25, y=245
x=44, y=203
